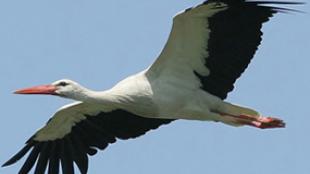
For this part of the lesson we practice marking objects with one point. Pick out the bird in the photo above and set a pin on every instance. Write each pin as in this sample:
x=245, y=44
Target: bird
x=210, y=45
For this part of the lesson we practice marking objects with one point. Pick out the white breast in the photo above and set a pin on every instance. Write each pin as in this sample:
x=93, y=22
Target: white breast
x=162, y=98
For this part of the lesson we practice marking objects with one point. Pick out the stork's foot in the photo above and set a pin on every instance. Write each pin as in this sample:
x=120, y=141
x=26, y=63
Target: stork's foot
x=262, y=122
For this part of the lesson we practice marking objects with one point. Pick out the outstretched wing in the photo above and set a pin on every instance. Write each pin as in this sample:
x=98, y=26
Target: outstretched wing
x=77, y=131
x=212, y=44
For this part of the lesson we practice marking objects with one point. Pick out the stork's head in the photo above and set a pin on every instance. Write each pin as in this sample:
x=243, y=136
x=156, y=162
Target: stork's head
x=63, y=88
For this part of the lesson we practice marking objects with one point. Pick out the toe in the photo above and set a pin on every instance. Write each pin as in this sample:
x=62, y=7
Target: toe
x=270, y=122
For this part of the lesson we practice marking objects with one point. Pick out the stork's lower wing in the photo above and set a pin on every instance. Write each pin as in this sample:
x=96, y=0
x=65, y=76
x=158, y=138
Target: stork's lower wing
x=77, y=131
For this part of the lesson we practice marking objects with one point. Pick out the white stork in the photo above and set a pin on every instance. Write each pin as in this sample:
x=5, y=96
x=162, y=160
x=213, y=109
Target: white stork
x=209, y=47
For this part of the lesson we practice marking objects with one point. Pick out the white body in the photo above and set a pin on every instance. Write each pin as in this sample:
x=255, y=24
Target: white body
x=141, y=96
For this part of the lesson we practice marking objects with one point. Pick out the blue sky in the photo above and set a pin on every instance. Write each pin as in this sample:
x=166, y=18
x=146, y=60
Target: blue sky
x=98, y=43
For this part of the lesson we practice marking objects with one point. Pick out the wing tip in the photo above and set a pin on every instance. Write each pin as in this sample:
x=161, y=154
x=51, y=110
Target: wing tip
x=269, y=4
x=6, y=164
x=256, y=1
x=20, y=154
x=272, y=5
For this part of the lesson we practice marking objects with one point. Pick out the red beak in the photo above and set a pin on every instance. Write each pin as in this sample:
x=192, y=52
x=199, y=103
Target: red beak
x=42, y=89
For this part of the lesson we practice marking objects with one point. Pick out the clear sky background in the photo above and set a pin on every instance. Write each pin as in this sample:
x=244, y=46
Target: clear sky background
x=98, y=43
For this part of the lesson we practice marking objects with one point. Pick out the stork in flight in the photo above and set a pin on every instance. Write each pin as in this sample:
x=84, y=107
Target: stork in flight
x=209, y=47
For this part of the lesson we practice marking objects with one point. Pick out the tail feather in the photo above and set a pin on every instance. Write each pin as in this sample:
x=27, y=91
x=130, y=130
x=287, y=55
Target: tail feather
x=235, y=110
x=240, y=110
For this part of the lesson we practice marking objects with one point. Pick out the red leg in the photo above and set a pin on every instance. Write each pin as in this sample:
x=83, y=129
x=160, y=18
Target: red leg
x=256, y=121
x=263, y=122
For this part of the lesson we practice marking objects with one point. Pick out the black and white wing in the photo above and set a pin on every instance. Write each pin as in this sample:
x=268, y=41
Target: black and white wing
x=77, y=131
x=212, y=44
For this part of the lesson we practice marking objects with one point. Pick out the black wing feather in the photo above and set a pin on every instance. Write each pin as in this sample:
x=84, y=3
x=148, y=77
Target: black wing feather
x=43, y=158
x=79, y=154
x=30, y=161
x=19, y=155
x=95, y=132
x=235, y=34
x=53, y=166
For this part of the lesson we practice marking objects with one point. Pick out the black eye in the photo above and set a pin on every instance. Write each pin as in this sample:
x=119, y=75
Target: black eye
x=62, y=84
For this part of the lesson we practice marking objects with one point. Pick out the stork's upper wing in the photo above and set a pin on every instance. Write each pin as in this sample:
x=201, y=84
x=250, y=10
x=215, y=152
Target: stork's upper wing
x=75, y=132
x=212, y=44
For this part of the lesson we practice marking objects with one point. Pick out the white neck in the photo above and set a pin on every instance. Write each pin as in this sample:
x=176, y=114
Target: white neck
x=104, y=97
x=90, y=96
